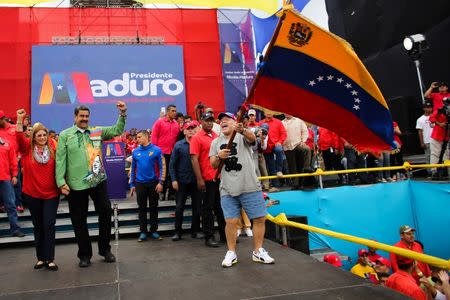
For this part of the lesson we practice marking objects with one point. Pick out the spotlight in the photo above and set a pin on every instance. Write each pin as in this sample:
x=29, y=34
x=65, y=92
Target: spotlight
x=414, y=45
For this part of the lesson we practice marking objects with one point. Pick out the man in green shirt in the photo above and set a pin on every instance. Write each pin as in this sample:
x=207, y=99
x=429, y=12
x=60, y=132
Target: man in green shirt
x=80, y=174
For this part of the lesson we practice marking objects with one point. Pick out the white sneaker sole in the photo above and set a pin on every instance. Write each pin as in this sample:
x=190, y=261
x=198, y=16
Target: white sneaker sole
x=232, y=264
x=261, y=261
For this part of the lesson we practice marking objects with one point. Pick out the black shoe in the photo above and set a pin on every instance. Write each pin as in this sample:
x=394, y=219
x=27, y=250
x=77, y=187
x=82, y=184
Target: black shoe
x=18, y=233
x=198, y=235
x=84, y=262
x=211, y=243
x=50, y=265
x=176, y=237
x=109, y=257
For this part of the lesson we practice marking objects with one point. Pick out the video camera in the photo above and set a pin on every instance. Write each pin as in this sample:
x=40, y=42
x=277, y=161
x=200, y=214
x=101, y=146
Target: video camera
x=445, y=109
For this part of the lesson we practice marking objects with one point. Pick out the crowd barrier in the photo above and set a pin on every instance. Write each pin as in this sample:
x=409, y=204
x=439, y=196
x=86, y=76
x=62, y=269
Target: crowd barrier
x=282, y=220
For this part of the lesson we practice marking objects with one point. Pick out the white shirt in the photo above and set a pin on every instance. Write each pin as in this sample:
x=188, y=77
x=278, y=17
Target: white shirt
x=297, y=133
x=424, y=124
x=216, y=128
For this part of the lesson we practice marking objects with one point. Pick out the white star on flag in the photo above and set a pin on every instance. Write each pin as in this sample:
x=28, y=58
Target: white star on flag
x=355, y=107
x=354, y=93
x=320, y=78
x=312, y=83
x=348, y=85
x=357, y=100
x=59, y=87
x=340, y=80
x=330, y=77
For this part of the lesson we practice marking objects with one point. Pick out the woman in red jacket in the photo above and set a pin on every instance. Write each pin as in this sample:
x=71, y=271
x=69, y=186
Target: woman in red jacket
x=39, y=187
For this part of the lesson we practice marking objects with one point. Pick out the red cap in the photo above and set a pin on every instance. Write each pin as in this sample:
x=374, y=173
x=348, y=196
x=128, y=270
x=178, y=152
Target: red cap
x=2, y=114
x=362, y=252
x=333, y=260
x=266, y=197
x=191, y=124
x=384, y=261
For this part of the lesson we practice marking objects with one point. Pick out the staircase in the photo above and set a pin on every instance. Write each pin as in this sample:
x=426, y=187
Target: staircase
x=127, y=216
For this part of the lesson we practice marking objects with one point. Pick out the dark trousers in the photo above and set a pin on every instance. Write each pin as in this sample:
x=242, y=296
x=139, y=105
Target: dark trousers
x=184, y=190
x=211, y=203
x=146, y=191
x=43, y=214
x=168, y=182
x=18, y=187
x=78, y=207
x=331, y=161
x=355, y=161
x=298, y=161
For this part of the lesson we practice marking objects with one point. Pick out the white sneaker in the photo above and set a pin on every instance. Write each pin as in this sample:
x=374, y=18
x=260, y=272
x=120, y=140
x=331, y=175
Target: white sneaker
x=248, y=231
x=262, y=257
x=238, y=233
x=230, y=259
x=279, y=174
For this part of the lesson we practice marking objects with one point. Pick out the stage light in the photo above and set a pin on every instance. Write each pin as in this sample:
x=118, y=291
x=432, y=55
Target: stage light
x=414, y=45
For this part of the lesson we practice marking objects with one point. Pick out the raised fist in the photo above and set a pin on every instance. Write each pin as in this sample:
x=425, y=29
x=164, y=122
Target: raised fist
x=121, y=106
x=21, y=113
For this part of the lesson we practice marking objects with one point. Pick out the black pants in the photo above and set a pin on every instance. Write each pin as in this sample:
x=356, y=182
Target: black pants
x=43, y=214
x=78, y=207
x=146, y=191
x=183, y=191
x=332, y=161
x=299, y=160
x=210, y=204
x=168, y=182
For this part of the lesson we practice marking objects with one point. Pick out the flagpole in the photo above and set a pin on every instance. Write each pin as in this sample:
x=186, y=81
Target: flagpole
x=241, y=112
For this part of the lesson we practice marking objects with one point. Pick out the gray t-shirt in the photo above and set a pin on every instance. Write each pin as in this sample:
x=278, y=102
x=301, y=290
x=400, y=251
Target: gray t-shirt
x=238, y=172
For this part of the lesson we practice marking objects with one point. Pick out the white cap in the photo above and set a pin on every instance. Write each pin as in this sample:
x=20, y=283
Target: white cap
x=251, y=112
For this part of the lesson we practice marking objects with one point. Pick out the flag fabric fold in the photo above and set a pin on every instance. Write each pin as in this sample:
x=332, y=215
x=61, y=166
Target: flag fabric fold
x=315, y=75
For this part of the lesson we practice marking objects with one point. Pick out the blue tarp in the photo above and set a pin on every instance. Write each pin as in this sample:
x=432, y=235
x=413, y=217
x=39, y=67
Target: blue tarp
x=374, y=212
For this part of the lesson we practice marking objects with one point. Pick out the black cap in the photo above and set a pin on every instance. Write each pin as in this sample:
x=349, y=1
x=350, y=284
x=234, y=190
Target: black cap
x=428, y=104
x=207, y=116
x=441, y=84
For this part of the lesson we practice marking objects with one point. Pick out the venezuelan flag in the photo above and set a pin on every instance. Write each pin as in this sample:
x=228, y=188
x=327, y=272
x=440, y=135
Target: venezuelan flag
x=315, y=75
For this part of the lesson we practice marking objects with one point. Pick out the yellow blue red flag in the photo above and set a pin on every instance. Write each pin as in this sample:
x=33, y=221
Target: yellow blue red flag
x=315, y=75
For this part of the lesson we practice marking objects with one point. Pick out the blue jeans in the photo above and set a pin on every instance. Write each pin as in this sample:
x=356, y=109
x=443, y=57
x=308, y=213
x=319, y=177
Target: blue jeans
x=7, y=191
x=275, y=164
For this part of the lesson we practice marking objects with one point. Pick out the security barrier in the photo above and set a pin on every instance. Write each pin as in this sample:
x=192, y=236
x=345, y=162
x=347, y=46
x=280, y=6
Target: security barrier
x=281, y=220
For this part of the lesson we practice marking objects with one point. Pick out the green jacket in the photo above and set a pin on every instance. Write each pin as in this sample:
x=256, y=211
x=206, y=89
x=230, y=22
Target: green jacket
x=79, y=161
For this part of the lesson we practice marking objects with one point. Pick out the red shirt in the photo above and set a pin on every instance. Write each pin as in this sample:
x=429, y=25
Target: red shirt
x=424, y=268
x=164, y=134
x=38, y=179
x=252, y=124
x=277, y=133
x=438, y=100
x=9, y=134
x=396, y=137
x=404, y=283
x=438, y=132
x=373, y=258
x=328, y=139
x=200, y=145
x=310, y=140
x=130, y=146
x=8, y=161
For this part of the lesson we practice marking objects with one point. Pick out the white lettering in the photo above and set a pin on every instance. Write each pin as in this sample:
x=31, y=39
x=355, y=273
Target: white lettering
x=99, y=88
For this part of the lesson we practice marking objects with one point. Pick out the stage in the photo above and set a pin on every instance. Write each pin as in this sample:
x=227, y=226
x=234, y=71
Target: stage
x=180, y=270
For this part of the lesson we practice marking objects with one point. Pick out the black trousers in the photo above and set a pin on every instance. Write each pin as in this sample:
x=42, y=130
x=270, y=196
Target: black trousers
x=332, y=161
x=184, y=190
x=78, y=207
x=146, y=191
x=299, y=160
x=168, y=182
x=211, y=203
x=43, y=214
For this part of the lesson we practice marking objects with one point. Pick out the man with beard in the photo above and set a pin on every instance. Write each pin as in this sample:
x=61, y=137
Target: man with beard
x=80, y=175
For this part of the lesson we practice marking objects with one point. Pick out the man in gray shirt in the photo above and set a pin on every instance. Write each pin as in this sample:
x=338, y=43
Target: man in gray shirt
x=239, y=187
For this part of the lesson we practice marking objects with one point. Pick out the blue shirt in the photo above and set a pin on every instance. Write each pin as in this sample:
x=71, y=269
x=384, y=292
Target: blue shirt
x=180, y=166
x=145, y=159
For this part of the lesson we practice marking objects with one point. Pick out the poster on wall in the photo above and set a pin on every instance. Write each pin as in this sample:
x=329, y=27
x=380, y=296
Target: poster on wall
x=146, y=78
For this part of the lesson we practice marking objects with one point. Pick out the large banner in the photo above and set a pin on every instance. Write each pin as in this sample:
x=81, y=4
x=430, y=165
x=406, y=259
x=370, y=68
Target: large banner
x=145, y=77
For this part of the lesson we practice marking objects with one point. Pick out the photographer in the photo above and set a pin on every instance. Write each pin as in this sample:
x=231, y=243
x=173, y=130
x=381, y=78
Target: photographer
x=440, y=136
x=438, y=97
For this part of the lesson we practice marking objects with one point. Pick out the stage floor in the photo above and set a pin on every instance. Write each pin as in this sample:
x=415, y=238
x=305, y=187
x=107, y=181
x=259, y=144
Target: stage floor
x=180, y=270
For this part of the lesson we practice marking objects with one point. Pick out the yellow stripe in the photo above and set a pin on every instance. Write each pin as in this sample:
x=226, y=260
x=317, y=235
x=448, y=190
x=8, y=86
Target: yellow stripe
x=163, y=168
x=330, y=49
